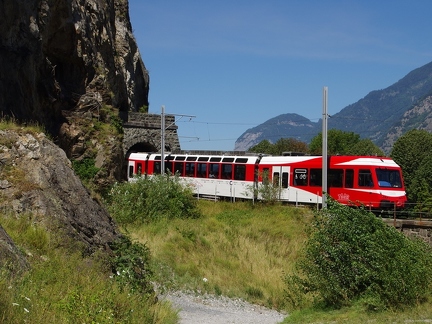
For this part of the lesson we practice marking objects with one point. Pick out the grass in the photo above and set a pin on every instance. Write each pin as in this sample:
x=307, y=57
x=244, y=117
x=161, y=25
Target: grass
x=62, y=286
x=244, y=251
x=240, y=251
x=12, y=124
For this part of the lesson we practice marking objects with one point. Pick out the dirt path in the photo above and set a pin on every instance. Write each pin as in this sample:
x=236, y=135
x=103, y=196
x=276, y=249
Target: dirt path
x=210, y=309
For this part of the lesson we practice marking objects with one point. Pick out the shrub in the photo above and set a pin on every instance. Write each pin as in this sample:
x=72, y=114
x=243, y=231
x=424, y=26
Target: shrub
x=353, y=256
x=267, y=191
x=130, y=265
x=85, y=168
x=152, y=198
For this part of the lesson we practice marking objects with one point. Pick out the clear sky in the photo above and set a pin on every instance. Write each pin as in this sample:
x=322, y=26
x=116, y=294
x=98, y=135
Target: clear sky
x=233, y=64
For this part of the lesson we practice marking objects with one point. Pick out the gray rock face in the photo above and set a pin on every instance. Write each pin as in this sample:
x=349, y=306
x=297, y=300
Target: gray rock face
x=37, y=177
x=60, y=55
x=72, y=65
x=10, y=256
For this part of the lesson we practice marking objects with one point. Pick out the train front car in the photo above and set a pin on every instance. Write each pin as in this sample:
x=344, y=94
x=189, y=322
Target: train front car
x=375, y=182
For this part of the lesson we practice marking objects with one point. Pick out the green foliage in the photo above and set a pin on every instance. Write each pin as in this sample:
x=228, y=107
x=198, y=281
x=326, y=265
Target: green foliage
x=412, y=152
x=282, y=145
x=341, y=142
x=264, y=147
x=85, y=168
x=352, y=256
x=62, y=286
x=130, y=265
x=365, y=147
x=117, y=123
x=151, y=198
x=267, y=191
x=143, y=109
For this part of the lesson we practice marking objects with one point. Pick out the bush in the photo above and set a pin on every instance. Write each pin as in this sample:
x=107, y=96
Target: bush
x=152, y=198
x=85, y=168
x=352, y=256
x=130, y=265
x=267, y=191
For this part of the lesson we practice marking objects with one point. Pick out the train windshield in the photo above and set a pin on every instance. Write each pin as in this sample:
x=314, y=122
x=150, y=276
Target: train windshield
x=389, y=178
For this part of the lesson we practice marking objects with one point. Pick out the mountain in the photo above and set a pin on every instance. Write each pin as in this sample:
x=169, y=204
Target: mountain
x=275, y=128
x=382, y=115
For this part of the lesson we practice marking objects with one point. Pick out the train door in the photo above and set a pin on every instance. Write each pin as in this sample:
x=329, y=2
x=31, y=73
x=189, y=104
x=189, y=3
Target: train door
x=280, y=176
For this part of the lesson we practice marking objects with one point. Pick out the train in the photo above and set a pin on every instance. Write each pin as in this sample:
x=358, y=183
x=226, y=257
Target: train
x=370, y=181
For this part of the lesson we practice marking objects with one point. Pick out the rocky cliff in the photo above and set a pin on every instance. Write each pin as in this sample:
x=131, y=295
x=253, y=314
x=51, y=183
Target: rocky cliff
x=37, y=180
x=63, y=62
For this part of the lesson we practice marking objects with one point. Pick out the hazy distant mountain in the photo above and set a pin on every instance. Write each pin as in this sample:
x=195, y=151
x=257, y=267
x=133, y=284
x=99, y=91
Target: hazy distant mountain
x=382, y=115
x=273, y=129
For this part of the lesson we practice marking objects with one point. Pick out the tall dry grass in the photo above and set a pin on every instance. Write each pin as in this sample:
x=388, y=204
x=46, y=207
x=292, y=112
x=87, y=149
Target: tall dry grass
x=234, y=249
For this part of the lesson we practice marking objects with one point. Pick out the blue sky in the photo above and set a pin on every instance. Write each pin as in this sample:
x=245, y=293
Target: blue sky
x=233, y=64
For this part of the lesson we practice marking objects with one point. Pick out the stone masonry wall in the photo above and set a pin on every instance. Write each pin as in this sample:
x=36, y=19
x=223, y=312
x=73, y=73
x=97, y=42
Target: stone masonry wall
x=146, y=129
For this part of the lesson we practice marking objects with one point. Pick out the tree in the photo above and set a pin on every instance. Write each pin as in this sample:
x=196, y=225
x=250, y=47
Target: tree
x=341, y=142
x=365, y=147
x=282, y=145
x=289, y=145
x=264, y=147
x=411, y=152
x=351, y=255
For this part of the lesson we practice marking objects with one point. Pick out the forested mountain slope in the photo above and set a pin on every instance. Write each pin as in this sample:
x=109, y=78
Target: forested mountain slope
x=382, y=115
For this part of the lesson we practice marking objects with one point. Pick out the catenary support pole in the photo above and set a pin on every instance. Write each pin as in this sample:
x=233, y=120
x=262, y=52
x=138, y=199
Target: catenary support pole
x=324, y=148
x=163, y=140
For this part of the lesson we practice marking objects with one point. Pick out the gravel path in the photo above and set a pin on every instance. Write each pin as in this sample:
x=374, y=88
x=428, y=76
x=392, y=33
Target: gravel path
x=210, y=309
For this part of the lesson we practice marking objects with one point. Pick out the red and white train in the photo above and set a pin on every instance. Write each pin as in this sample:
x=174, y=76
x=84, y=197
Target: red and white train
x=375, y=182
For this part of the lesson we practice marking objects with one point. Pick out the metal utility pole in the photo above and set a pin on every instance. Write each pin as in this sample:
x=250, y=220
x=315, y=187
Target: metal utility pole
x=163, y=129
x=163, y=139
x=324, y=148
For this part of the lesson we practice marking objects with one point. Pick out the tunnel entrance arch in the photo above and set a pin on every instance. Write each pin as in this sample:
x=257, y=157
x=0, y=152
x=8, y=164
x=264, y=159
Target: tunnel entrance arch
x=142, y=133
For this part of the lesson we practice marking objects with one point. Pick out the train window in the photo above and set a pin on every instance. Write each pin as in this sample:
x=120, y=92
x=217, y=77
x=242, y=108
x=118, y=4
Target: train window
x=139, y=168
x=180, y=158
x=276, y=179
x=241, y=160
x=284, y=179
x=178, y=168
x=191, y=158
x=213, y=170
x=365, y=178
x=203, y=158
x=240, y=172
x=265, y=176
x=215, y=159
x=190, y=169
x=168, y=167
x=389, y=178
x=202, y=170
x=228, y=160
x=131, y=171
x=349, y=178
x=157, y=157
x=335, y=178
x=315, y=177
x=226, y=171
x=157, y=167
x=300, y=177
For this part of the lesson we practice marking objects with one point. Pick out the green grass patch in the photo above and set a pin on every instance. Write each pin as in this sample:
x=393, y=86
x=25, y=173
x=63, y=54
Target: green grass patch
x=63, y=286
